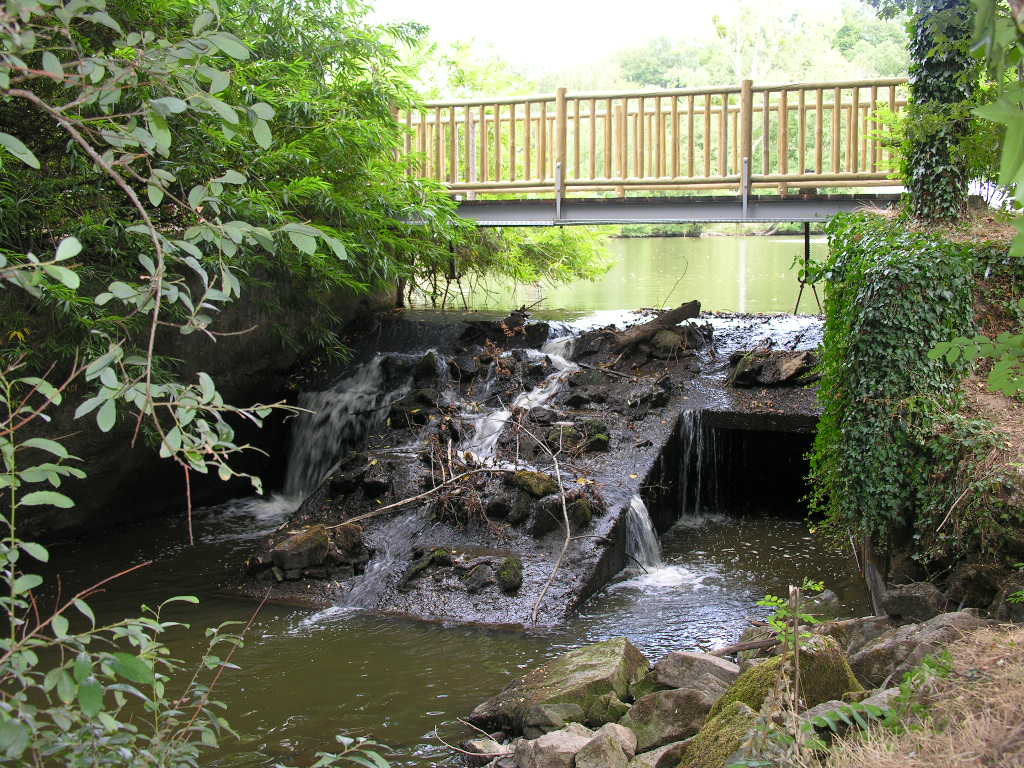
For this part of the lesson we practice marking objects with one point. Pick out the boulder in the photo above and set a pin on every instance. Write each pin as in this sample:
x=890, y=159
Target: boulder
x=607, y=708
x=720, y=738
x=824, y=674
x=553, y=750
x=682, y=669
x=824, y=605
x=544, y=718
x=414, y=409
x=510, y=575
x=547, y=516
x=613, y=746
x=1005, y=609
x=478, y=578
x=883, y=698
x=579, y=677
x=666, y=756
x=854, y=634
x=485, y=750
x=918, y=601
x=772, y=368
x=666, y=716
x=537, y=484
x=303, y=549
x=975, y=585
x=894, y=653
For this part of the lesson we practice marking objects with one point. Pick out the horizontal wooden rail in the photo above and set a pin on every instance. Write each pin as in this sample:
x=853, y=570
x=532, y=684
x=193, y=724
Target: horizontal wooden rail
x=740, y=137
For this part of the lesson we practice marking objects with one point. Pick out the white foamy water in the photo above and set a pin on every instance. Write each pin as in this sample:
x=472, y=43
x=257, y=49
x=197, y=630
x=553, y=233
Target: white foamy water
x=642, y=547
x=662, y=577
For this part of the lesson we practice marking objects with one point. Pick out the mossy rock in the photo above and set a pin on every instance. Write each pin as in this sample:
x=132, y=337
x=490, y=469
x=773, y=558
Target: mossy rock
x=435, y=557
x=537, y=484
x=825, y=674
x=582, y=511
x=645, y=685
x=579, y=677
x=720, y=737
x=607, y=708
x=510, y=575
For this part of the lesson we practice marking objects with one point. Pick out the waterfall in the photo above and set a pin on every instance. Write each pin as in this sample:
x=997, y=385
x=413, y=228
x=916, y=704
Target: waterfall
x=488, y=426
x=339, y=419
x=698, y=476
x=397, y=545
x=642, y=546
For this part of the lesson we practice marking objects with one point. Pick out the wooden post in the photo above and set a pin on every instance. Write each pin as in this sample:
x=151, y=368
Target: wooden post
x=608, y=160
x=837, y=116
x=512, y=142
x=766, y=133
x=803, y=133
x=483, y=143
x=675, y=137
x=527, y=141
x=470, y=135
x=783, y=137
x=542, y=142
x=561, y=134
x=497, y=142
x=723, y=137
x=819, y=135
x=620, y=124
x=746, y=137
x=453, y=152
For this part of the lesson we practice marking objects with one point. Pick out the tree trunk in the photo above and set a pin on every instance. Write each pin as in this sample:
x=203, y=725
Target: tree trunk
x=639, y=333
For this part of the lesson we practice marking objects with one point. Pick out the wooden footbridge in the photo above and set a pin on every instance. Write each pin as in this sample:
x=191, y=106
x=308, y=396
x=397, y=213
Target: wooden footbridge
x=570, y=158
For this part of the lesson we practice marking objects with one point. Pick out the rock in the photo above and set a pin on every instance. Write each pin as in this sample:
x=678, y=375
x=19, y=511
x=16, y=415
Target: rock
x=612, y=747
x=720, y=738
x=646, y=397
x=666, y=756
x=486, y=750
x=647, y=684
x=918, y=601
x=306, y=548
x=435, y=557
x=826, y=709
x=824, y=674
x=667, y=343
x=1005, y=609
x=824, y=605
x=883, y=699
x=553, y=750
x=854, y=634
x=378, y=479
x=607, y=708
x=463, y=367
x=510, y=575
x=666, y=716
x=894, y=653
x=537, y=484
x=479, y=577
x=544, y=718
x=414, y=409
x=975, y=585
x=682, y=669
x=578, y=677
x=772, y=368
x=498, y=508
x=547, y=516
x=344, y=481
x=426, y=371
x=750, y=634
x=582, y=510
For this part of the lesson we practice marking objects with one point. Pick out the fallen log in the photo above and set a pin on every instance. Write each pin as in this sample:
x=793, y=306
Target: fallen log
x=751, y=645
x=670, y=319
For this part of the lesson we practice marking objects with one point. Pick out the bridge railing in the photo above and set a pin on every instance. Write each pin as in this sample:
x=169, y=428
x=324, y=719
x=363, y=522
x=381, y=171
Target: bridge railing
x=791, y=135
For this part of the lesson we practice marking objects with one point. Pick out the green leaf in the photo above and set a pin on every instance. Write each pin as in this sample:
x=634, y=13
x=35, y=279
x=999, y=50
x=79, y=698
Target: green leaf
x=155, y=194
x=14, y=738
x=52, y=66
x=169, y=105
x=69, y=248
x=133, y=668
x=226, y=112
x=67, y=688
x=19, y=150
x=60, y=626
x=50, y=446
x=66, y=276
x=85, y=610
x=38, y=551
x=90, y=697
x=203, y=20
x=262, y=110
x=26, y=583
x=230, y=44
x=106, y=416
x=261, y=133
x=303, y=242
x=231, y=177
x=46, y=499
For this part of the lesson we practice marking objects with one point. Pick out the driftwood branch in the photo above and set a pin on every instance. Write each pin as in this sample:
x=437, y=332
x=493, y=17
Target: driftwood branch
x=750, y=645
x=670, y=319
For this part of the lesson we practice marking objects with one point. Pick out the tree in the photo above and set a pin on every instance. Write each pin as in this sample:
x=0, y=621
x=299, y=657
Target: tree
x=944, y=78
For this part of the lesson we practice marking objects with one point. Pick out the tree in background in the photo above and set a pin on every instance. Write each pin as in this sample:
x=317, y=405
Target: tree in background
x=944, y=79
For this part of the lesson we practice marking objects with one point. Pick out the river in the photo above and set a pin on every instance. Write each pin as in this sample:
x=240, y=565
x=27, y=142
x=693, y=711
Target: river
x=305, y=676
x=727, y=274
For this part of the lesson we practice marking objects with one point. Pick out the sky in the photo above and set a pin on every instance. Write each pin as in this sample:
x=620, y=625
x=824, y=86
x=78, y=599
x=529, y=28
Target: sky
x=539, y=36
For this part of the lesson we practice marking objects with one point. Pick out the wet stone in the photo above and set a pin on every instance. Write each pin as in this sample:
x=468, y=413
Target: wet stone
x=478, y=578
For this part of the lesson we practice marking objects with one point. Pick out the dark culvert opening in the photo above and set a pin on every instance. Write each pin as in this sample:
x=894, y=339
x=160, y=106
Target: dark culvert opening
x=732, y=464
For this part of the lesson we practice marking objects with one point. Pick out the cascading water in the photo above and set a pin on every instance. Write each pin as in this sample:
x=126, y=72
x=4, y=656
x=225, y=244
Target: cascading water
x=488, y=426
x=642, y=546
x=698, y=480
x=339, y=418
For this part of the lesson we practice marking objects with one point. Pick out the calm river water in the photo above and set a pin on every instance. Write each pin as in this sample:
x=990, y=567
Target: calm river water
x=727, y=274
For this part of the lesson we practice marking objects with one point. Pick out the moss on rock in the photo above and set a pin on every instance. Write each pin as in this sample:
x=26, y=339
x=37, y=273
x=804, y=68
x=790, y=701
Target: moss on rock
x=510, y=575
x=825, y=674
x=537, y=484
x=720, y=737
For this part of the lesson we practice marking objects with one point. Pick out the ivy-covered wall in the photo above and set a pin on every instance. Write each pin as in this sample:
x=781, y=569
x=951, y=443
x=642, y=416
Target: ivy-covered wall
x=892, y=454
